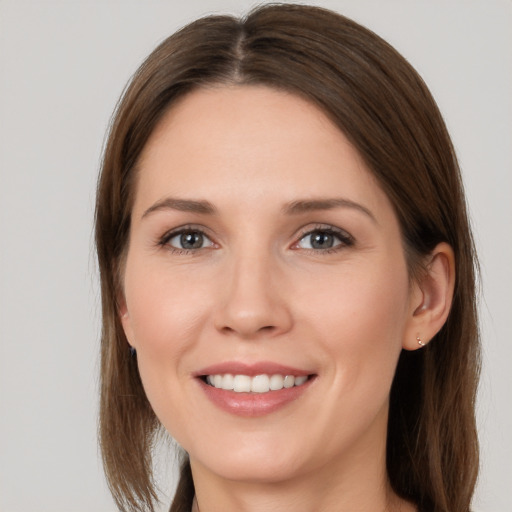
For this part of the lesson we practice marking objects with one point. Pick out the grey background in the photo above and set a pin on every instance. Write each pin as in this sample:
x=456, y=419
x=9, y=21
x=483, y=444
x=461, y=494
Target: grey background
x=63, y=64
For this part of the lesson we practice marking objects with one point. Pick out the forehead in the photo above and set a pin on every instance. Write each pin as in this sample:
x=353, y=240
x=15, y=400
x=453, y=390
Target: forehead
x=250, y=142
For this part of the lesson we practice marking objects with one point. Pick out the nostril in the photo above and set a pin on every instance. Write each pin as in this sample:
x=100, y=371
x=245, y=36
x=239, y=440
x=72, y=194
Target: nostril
x=249, y=331
x=252, y=318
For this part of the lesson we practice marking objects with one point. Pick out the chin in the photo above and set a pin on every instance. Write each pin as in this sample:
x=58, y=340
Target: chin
x=256, y=470
x=254, y=461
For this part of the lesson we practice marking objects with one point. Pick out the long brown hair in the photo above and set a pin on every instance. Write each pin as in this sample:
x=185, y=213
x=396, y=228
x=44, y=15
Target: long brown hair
x=382, y=105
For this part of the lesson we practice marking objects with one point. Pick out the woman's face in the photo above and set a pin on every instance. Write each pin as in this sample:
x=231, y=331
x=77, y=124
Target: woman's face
x=261, y=245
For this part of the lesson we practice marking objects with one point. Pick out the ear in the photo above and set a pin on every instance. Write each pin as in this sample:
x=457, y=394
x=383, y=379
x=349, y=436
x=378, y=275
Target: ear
x=431, y=298
x=124, y=316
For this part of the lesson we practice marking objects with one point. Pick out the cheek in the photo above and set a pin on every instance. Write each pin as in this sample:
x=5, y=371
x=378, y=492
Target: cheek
x=360, y=322
x=164, y=307
x=362, y=295
x=358, y=326
x=166, y=317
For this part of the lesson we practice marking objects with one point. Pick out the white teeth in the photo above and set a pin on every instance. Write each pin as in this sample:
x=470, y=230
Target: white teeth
x=289, y=381
x=228, y=381
x=276, y=382
x=242, y=383
x=258, y=384
x=300, y=380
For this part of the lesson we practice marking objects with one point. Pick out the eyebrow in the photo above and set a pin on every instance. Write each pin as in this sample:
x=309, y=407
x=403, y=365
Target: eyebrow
x=310, y=205
x=292, y=208
x=183, y=205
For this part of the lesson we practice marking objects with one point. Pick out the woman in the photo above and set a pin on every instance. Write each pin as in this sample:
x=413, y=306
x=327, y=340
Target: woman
x=287, y=275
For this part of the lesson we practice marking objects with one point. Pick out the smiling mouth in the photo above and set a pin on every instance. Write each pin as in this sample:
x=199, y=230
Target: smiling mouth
x=255, y=384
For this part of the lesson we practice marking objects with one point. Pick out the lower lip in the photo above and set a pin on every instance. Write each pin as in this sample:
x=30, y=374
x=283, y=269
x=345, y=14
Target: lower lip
x=253, y=404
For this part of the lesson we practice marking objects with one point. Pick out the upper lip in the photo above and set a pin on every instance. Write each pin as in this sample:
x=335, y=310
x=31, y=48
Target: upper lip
x=251, y=369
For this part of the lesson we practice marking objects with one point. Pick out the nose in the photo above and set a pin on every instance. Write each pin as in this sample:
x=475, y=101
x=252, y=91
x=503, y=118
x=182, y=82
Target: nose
x=253, y=303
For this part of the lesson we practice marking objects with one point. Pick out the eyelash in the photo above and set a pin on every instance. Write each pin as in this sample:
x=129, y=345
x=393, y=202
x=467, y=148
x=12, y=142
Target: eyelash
x=345, y=239
x=164, y=241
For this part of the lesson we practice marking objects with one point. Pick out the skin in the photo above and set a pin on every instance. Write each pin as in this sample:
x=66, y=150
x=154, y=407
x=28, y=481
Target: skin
x=257, y=291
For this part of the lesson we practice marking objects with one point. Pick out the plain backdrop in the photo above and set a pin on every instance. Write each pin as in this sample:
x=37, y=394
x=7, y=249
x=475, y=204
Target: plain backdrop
x=63, y=65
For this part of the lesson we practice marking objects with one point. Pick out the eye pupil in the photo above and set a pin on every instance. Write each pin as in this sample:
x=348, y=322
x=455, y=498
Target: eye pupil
x=192, y=240
x=321, y=240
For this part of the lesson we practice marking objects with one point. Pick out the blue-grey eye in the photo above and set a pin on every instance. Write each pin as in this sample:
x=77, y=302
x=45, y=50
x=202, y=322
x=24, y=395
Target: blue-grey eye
x=320, y=240
x=190, y=240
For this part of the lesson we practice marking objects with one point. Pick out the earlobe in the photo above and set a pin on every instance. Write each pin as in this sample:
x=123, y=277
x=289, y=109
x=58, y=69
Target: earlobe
x=124, y=316
x=432, y=298
x=122, y=308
